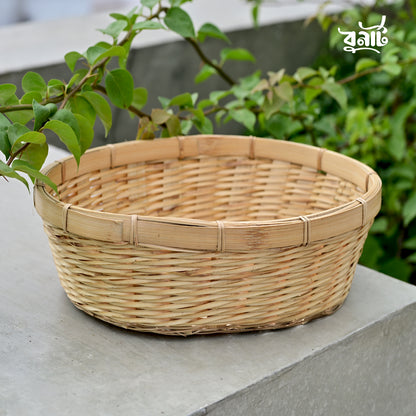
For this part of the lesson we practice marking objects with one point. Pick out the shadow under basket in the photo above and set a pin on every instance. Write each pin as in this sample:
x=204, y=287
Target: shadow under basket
x=208, y=234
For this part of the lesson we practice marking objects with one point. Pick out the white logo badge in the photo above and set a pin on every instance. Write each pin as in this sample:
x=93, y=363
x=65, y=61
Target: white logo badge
x=367, y=38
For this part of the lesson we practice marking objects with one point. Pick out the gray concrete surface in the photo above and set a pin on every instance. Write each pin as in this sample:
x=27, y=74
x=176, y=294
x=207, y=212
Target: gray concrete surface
x=56, y=360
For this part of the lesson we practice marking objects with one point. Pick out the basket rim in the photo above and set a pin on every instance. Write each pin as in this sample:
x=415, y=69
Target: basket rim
x=209, y=235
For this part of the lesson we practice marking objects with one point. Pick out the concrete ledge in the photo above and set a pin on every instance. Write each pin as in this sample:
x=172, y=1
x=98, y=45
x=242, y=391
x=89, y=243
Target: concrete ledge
x=55, y=359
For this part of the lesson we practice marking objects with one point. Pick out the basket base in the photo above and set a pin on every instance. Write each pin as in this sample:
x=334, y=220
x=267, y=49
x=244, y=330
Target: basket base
x=220, y=328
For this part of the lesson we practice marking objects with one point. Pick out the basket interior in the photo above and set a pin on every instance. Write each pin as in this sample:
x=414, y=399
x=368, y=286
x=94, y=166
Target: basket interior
x=210, y=188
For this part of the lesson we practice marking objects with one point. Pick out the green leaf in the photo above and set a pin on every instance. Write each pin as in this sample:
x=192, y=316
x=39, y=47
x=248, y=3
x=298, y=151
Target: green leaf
x=164, y=101
x=208, y=29
x=149, y=3
x=35, y=154
x=205, y=103
x=148, y=25
x=282, y=127
x=365, y=63
x=4, y=143
x=120, y=85
x=412, y=4
x=204, y=125
x=86, y=132
x=160, y=116
x=250, y=81
x=303, y=73
x=272, y=106
x=380, y=225
x=255, y=14
x=71, y=59
x=67, y=136
x=245, y=117
x=22, y=116
x=4, y=122
x=182, y=100
x=146, y=129
x=25, y=167
x=336, y=91
x=5, y=146
x=180, y=22
x=69, y=118
x=177, y=3
x=186, y=126
x=78, y=75
x=104, y=45
x=173, y=126
x=115, y=28
x=33, y=82
x=205, y=72
x=372, y=252
x=357, y=124
x=411, y=258
x=314, y=90
x=285, y=91
x=93, y=53
x=55, y=86
x=79, y=105
x=29, y=97
x=6, y=91
x=409, y=210
x=410, y=244
x=101, y=107
x=10, y=173
x=139, y=97
x=113, y=51
x=397, y=143
x=119, y=16
x=198, y=114
x=131, y=15
x=15, y=131
x=216, y=96
x=392, y=69
x=403, y=171
x=397, y=268
x=42, y=113
x=29, y=137
x=238, y=54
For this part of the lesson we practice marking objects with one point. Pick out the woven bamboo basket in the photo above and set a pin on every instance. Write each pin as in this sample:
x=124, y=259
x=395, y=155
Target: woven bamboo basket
x=208, y=234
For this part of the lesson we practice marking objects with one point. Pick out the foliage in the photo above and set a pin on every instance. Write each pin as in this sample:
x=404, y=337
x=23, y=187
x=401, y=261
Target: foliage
x=377, y=126
x=358, y=104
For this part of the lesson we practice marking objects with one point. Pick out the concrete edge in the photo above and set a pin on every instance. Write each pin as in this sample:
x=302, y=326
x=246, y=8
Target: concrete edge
x=274, y=376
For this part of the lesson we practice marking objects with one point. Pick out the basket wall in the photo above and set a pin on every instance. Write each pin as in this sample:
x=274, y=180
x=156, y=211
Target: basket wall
x=183, y=293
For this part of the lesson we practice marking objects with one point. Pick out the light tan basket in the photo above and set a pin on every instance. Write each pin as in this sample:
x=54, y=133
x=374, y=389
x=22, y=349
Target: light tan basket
x=207, y=234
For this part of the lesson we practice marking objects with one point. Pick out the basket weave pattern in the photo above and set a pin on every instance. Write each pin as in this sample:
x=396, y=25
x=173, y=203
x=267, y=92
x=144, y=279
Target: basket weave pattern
x=216, y=234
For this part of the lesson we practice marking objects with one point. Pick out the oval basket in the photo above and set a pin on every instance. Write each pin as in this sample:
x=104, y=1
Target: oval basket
x=208, y=234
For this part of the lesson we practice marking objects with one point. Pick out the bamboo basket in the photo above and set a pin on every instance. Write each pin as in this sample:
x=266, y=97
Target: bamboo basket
x=208, y=234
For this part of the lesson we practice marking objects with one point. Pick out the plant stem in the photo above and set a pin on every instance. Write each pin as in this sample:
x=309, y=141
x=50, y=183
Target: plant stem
x=17, y=107
x=21, y=107
x=14, y=155
x=206, y=60
x=78, y=87
x=353, y=77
